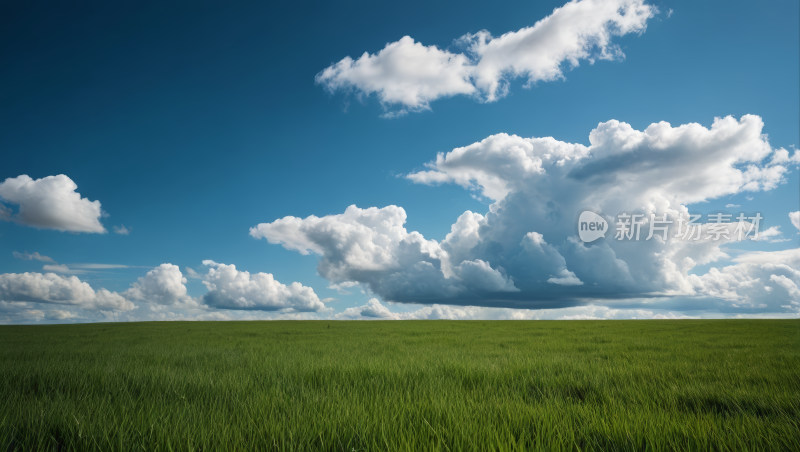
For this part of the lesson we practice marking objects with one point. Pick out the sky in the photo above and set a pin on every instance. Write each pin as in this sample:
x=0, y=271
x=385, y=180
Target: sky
x=247, y=160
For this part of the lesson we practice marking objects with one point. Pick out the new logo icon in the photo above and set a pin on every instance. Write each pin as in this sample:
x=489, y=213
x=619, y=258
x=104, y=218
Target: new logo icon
x=591, y=226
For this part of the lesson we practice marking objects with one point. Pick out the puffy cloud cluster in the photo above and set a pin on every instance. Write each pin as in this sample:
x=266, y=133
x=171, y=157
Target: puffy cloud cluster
x=163, y=285
x=50, y=203
x=623, y=167
x=411, y=75
x=524, y=252
x=371, y=246
x=759, y=280
x=56, y=289
x=162, y=289
x=229, y=288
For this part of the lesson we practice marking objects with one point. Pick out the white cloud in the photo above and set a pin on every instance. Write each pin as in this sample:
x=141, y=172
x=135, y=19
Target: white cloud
x=732, y=206
x=795, y=217
x=229, y=288
x=790, y=257
x=782, y=157
x=163, y=285
x=179, y=316
x=742, y=284
x=52, y=288
x=60, y=268
x=52, y=314
x=772, y=235
x=371, y=246
x=51, y=203
x=343, y=286
x=525, y=247
x=122, y=230
x=404, y=72
x=694, y=164
x=163, y=289
x=35, y=256
x=577, y=31
x=60, y=314
x=374, y=310
x=786, y=283
x=410, y=75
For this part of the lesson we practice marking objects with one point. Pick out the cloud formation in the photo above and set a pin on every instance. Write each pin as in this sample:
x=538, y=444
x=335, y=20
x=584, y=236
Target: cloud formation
x=163, y=285
x=409, y=75
x=162, y=289
x=524, y=252
x=55, y=289
x=374, y=310
x=26, y=256
x=50, y=203
x=372, y=247
x=229, y=288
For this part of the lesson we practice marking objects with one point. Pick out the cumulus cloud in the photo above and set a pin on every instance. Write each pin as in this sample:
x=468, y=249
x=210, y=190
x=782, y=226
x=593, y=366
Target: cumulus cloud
x=795, y=217
x=163, y=285
x=35, y=256
x=410, y=75
x=229, y=288
x=372, y=247
x=231, y=293
x=662, y=164
x=50, y=203
x=56, y=289
x=524, y=253
x=404, y=72
x=765, y=280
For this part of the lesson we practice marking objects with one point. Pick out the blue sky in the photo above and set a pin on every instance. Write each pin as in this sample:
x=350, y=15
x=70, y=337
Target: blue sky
x=192, y=124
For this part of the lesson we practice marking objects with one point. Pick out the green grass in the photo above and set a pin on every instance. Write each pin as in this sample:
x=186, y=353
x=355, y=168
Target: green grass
x=410, y=385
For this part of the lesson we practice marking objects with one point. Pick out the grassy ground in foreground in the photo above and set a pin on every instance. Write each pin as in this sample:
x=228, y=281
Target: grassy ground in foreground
x=407, y=385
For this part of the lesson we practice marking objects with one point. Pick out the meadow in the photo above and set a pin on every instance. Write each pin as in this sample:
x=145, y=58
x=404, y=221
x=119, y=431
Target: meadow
x=728, y=385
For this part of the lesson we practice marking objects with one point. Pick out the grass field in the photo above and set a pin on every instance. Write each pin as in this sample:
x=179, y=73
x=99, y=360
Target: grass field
x=408, y=385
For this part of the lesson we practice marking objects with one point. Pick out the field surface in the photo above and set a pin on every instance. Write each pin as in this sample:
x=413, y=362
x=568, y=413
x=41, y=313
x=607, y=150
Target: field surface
x=402, y=386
